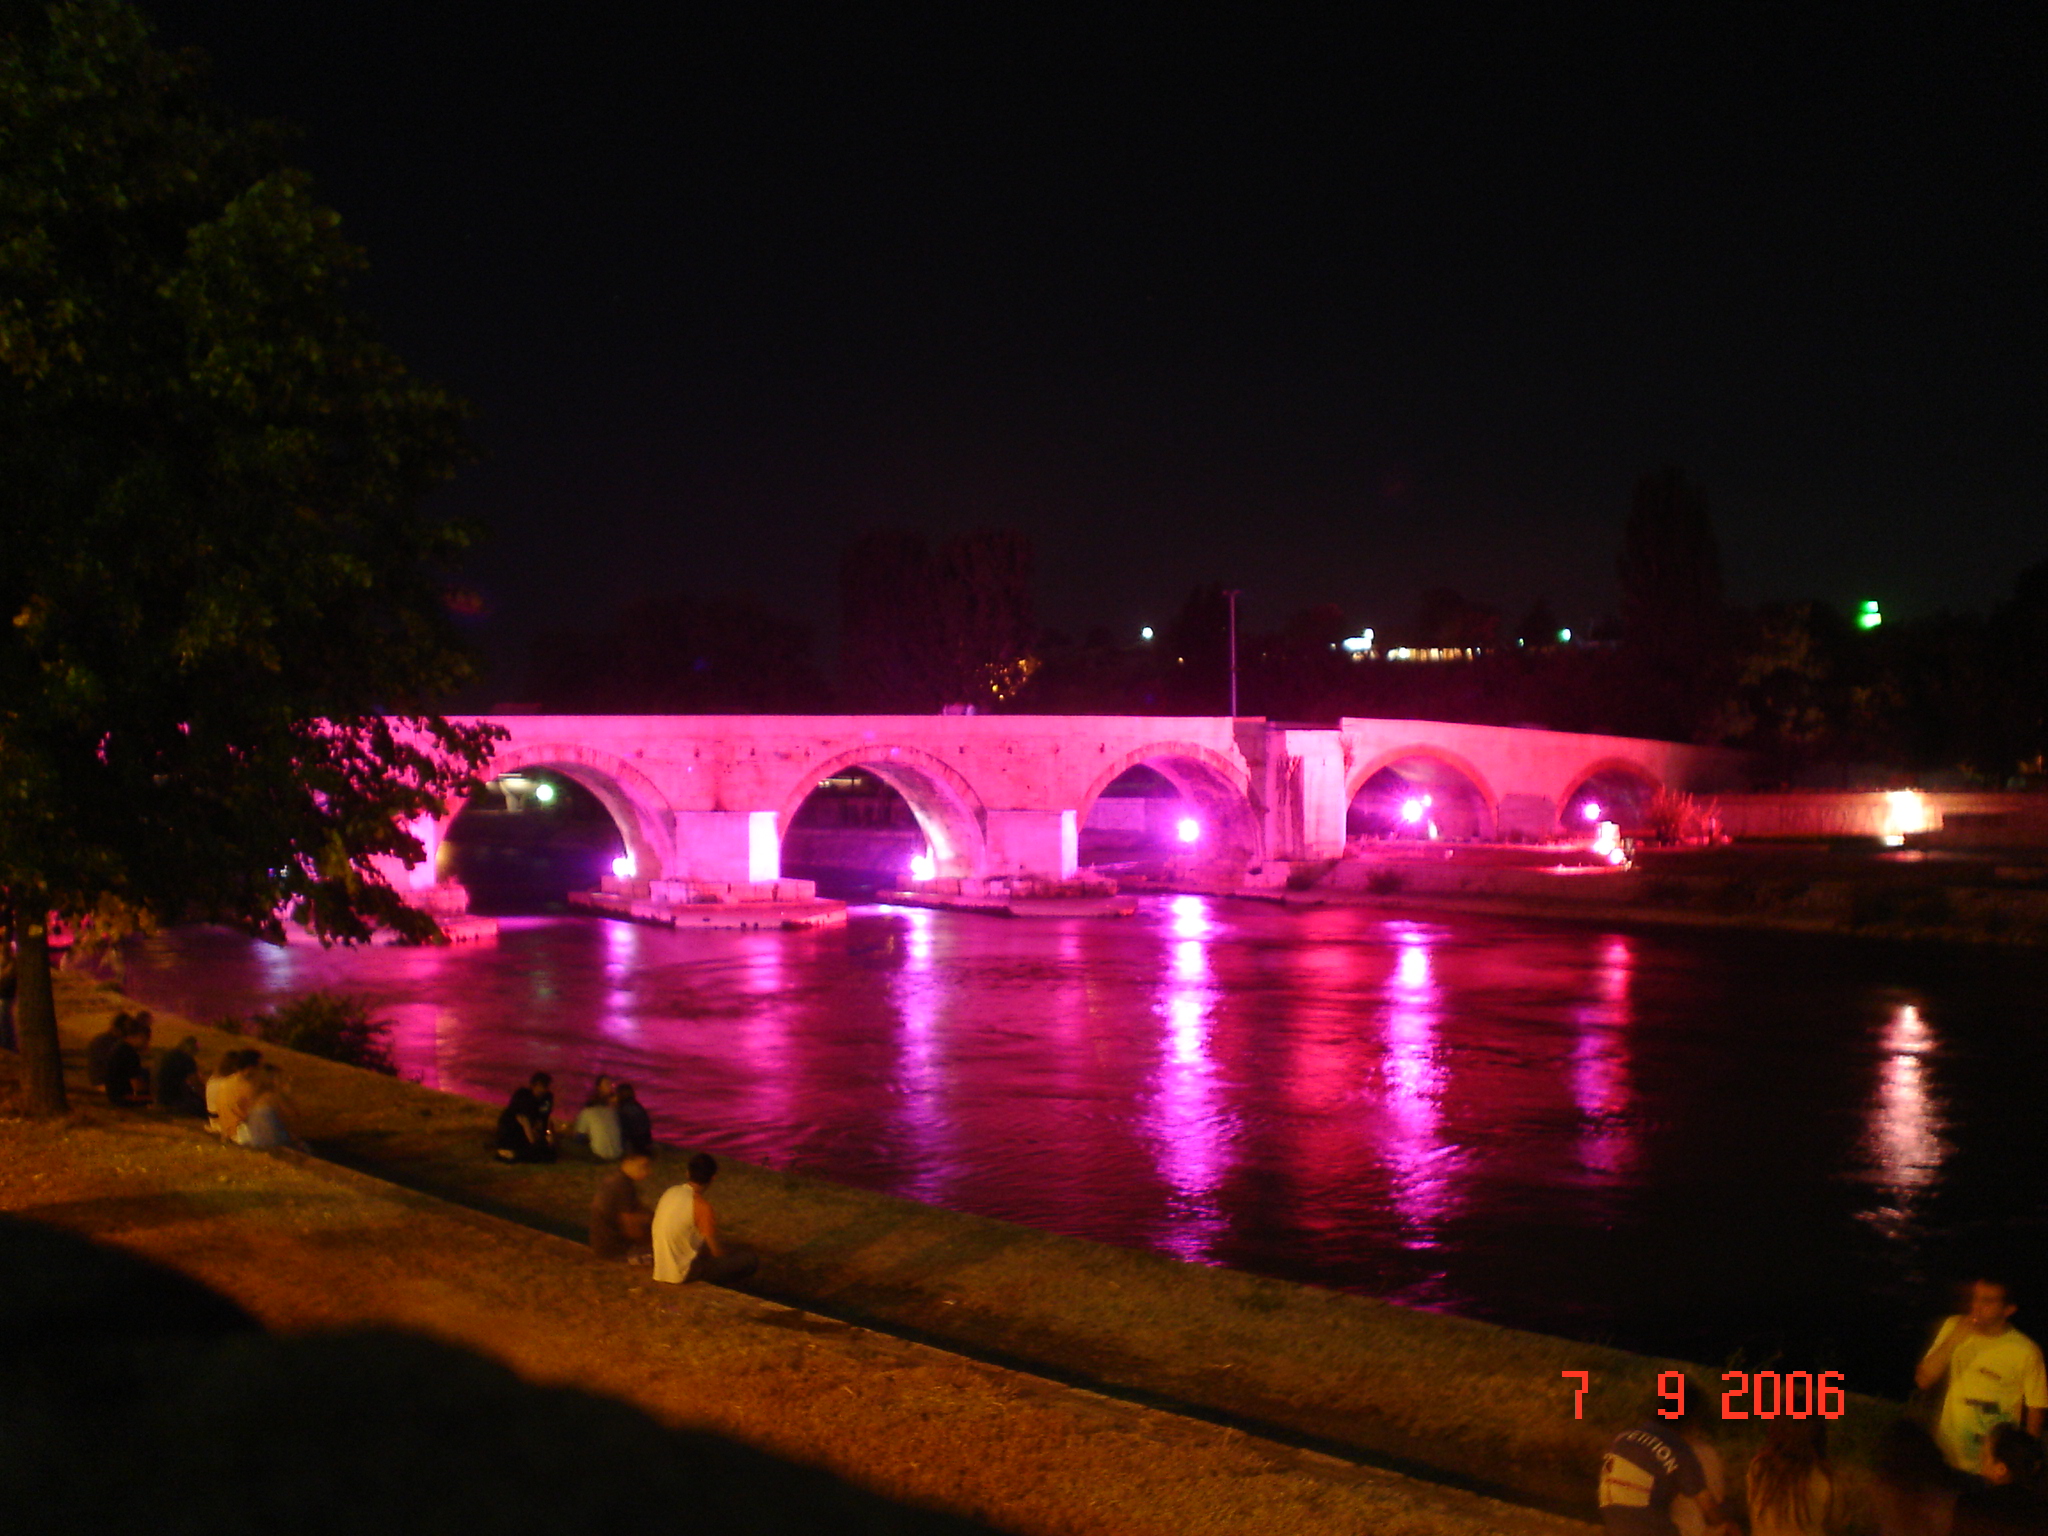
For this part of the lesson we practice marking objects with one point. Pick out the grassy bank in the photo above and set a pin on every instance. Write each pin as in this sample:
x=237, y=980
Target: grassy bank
x=1474, y=1404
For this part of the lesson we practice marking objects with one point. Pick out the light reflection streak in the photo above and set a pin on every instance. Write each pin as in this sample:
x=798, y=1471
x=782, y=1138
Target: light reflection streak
x=1600, y=1065
x=1905, y=1139
x=619, y=1020
x=1185, y=1117
x=921, y=1074
x=768, y=1083
x=1413, y=1084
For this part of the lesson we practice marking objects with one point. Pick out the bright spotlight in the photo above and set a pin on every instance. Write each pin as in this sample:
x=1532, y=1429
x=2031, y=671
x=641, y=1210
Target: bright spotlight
x=623, y=867
x=1145, y=633
x=1590, y=810
x=1411, y=810
x=1564, y=637
x=1189, y=830
x=544, y=792
x=923, y=867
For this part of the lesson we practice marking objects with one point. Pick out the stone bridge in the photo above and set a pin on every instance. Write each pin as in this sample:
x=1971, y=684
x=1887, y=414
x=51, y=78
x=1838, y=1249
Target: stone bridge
x=707, y=798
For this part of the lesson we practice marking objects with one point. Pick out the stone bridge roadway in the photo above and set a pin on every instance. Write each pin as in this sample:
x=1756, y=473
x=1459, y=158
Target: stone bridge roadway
x=709, y=797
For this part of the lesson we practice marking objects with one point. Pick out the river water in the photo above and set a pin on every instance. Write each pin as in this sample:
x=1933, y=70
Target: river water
x=1690, y=1143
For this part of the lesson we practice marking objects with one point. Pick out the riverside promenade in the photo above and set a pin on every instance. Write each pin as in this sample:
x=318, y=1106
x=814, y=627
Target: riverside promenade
x=424, y=1233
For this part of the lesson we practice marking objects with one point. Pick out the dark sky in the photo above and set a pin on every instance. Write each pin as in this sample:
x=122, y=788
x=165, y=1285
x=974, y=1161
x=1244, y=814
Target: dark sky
x=1330, y=311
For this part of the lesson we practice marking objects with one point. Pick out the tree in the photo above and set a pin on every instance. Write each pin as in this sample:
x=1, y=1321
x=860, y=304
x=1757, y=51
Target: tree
x=924, y=626
x=1672, y=619
x=226, y=616
x=675, y=654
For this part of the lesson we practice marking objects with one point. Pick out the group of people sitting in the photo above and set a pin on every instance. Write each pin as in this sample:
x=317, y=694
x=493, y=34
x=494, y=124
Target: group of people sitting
x=612, y=1122
x=680, y=1236
x=1977, y=1472
x=244, y=1101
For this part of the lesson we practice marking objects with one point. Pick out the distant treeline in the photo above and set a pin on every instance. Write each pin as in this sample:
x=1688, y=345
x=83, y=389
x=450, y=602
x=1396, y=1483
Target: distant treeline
x=926, y=625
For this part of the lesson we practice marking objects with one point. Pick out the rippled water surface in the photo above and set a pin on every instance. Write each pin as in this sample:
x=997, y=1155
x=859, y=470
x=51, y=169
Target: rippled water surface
x=1683, y=1142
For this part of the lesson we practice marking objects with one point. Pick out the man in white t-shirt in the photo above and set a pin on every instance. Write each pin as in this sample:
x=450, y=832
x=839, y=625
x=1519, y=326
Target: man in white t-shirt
x=1995, y=1375
x=686, y=1241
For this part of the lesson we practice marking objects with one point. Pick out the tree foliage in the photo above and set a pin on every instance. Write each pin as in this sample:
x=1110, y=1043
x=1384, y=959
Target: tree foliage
x=223, y=615
x=676, y=654
x=925, y=625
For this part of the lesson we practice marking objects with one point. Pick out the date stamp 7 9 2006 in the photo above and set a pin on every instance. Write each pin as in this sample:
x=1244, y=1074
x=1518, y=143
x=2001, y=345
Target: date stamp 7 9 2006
x=1794, y=1394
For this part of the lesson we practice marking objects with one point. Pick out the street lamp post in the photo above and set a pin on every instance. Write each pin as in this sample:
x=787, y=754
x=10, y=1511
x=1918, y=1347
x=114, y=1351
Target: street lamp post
x=1233, y=593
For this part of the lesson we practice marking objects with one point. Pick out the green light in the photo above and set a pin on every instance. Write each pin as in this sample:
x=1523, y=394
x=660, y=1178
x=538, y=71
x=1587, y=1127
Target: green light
x=1870, y=616
x=544, y=793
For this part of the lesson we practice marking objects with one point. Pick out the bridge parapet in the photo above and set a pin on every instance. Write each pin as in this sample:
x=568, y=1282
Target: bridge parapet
x=707, y=798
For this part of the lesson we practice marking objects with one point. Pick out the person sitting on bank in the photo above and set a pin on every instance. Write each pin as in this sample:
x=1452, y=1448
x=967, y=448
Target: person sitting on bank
x=127, y=1078
x=266, y=1125
x=1995, y=1375
x=217, y=1085
x=101, y=1046
x=1790, y=1484
x=238, y=1097
x=1653, y=1481
x=178, y=1088
x=526, y=1131
x=598, y=1124
x=636, y=1131
x=686, y=1241
x=620, y=1226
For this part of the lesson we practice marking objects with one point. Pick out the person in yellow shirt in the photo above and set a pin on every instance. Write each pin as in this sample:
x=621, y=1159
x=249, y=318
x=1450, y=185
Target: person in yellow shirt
x=1995, y=1375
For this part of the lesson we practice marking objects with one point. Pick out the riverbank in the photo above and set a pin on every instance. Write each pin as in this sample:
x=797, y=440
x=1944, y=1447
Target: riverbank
x=1470, y=1403
x=1773, y=890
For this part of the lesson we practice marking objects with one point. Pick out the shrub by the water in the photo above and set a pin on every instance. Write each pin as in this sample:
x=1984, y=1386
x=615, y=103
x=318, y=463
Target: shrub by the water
x=1386, y=882
x=333, y=1025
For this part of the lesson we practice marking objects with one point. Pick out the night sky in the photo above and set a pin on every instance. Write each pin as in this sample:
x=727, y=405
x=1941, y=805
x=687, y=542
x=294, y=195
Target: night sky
x=1332, y=312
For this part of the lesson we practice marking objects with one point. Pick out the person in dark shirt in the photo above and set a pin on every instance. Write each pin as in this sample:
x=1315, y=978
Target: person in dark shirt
x=619, y=1223
x=526, y=1131
x=101, y=1046
x=636, y=1131
x=177, y=1079
x=2009, y=1502
x=127, y=1077
x=1652, y=1466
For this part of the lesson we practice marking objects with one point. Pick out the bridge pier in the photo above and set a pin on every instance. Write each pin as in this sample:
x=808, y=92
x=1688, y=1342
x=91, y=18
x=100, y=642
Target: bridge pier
x=728, y=847
x=1042, y=843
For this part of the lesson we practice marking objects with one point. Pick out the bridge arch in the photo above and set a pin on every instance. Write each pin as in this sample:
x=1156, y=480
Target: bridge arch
x=1215, y=786
x=1438, y=765
x=948, y=811
x=1622, y=787
x=645, y=820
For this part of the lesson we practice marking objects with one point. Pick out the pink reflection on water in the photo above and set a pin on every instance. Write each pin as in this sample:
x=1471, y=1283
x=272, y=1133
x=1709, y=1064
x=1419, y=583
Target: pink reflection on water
x=618, y=1020
x=1185, y=1116
x=1904, y=1138
x=1600, y=1065
x=764, y=1055
x=1412, y=1078
x=917, y=991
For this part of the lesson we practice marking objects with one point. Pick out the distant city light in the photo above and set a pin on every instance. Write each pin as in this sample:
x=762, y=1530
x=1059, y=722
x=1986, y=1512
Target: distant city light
x=1590, y=810
x=1188, y=830
x=1359, y=643
x=1145, y=633
x=1869, y=616
x=544, y=792
x=923, y=866
x=1564, y=637
x=1607, y=843
x=623, y=867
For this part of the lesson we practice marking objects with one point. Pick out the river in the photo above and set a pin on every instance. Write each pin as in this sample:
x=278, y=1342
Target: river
x=1696, y=1143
